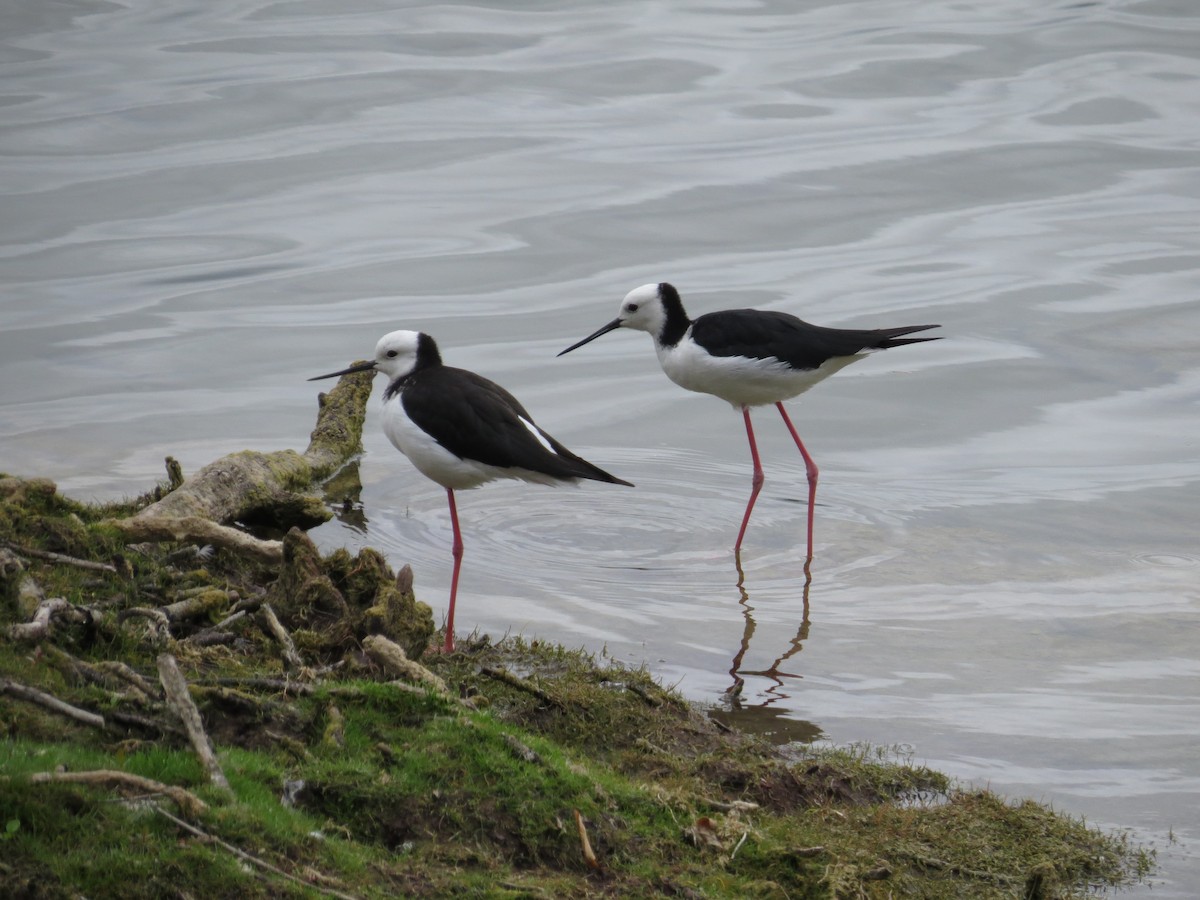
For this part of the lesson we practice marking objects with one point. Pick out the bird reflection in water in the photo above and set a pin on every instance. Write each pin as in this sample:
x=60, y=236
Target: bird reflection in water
x=766, y=720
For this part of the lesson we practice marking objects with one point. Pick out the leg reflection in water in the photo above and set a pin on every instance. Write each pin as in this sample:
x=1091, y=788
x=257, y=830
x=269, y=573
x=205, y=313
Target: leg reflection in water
x=746, y=716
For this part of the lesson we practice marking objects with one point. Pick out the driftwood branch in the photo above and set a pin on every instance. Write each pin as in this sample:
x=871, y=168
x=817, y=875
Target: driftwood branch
x=62, y=559
x=196, y=530
x=180, y=699
x=50, y=702
x=391, y=656
x=290, y=655
x=39, y=625
x=252, y=486
x=520, y=683
x=188, y=802
x=589, y=855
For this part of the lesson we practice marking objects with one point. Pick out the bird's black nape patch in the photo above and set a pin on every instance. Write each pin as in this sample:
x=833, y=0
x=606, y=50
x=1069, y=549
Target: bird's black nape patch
x=427, y=352
x=677, y=321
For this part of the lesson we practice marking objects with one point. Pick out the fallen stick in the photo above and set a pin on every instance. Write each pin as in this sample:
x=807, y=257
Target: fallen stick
x=391, y=655
x=188, y=802
x=253, y=860
x=520, y=683
x=39, y=625
x=196, y=530
x=589, y=855
x=275, y=627
x=181, y=701
x=50, y=702
x=60, y=558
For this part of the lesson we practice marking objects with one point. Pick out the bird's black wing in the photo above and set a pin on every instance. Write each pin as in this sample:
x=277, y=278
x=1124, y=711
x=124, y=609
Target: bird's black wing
x=767, y=334
x=477, y=419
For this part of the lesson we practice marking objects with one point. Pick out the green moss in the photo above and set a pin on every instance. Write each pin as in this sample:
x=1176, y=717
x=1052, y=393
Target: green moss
x=414, y=794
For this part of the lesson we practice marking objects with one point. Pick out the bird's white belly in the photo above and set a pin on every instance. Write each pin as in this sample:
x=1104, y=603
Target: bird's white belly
x=739, y=380
x=430, y=458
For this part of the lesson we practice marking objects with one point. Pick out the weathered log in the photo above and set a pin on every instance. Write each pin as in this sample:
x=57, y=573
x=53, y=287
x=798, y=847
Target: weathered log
x=188, y=802
x=255, y=487
x=50, y=702
x=180, y=700
x=391, y=655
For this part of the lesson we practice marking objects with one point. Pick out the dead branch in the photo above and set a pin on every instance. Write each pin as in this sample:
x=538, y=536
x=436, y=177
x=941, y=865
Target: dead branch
x=253, y=860
x=181, y=701
x=523, y=752
x=127, y=674
x=160, y=625
x=187, y=802
x=391, y=655
x=195, y=606
x=589, y=856
x=277, y=631
x=39, y=626
x=50, y=702
x=196, y=530
x=259, y=487
x=281, y=685
x=520, y=683
x=62, y=559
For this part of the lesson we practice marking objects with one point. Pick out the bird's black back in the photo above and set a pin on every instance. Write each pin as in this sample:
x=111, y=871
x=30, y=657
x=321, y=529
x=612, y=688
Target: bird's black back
x=767, y=334
x=477, y=419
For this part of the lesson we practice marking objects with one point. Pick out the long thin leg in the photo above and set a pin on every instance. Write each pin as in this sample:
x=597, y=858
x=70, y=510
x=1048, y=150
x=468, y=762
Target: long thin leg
x=757, y=482
x=813, y=472
x=457, y=551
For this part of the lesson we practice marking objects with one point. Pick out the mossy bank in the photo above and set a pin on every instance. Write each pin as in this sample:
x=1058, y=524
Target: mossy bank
x=507, y=769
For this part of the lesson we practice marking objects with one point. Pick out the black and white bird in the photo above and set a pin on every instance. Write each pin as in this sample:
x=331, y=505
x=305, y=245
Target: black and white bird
x=462, y=430
x=748, y=357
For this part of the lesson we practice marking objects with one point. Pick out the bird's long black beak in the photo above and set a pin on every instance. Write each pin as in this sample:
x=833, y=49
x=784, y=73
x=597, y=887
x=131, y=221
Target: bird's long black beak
x=357, y=367
x=611, y=326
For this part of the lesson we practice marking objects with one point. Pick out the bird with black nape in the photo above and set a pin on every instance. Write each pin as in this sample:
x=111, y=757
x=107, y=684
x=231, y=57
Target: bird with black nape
x=749, y=357
x=461, y=430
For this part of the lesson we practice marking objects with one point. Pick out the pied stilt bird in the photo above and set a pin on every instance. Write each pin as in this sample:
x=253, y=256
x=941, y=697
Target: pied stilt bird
x=461, y=430
x=748, y=357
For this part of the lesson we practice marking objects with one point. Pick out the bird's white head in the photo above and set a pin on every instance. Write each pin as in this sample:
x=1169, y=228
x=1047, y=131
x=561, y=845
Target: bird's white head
x=398, y=353
x=647, y=308
x=642, y=309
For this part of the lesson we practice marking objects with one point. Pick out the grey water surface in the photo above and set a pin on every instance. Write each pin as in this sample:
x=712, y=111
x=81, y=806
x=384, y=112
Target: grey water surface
x=204, y=204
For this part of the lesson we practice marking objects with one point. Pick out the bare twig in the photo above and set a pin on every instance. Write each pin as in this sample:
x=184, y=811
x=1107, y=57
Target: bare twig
x=181, y=701
x=50, y=702
x=246, y=857
x=62, y=559
x=188, y=802
x=391, y=655
x=160, y=625
x=275, y=627
x=745, y=834
x=199, y=604
x=589, y=856
x=39, y=626
x=125, y=673
x=282, y=685
x=520, y=683
x=197, y=530
x=522, y=752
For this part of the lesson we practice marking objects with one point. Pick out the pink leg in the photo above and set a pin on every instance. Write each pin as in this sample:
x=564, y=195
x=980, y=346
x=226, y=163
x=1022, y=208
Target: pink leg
x=813, y=472
x=457, y=550
x=757, y=482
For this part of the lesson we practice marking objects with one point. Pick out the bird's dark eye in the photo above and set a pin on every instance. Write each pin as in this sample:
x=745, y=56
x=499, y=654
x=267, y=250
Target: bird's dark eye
x=630, y=307
x=391, y=354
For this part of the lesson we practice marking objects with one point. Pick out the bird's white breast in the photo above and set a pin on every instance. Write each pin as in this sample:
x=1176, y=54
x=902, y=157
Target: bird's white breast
x=740, y=380
x=430, y=458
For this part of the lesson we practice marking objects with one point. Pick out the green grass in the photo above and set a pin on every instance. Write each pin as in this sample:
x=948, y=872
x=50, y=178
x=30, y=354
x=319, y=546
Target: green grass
x=414, y=794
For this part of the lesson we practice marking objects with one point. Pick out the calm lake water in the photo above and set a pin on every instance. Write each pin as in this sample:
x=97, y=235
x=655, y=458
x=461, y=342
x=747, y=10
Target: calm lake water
x=202, y=205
